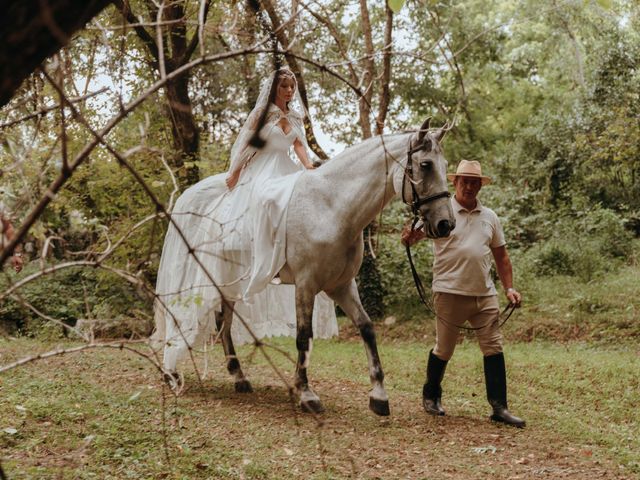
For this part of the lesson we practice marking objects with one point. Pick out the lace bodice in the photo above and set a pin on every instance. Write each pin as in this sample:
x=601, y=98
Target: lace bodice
x=276, y=139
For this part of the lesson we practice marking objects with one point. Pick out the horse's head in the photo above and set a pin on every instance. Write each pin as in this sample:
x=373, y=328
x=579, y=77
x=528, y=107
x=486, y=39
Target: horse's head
x=425, y=182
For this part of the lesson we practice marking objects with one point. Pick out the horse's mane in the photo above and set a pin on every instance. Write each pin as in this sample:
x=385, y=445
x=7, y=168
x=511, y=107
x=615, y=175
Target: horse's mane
x=366, y=145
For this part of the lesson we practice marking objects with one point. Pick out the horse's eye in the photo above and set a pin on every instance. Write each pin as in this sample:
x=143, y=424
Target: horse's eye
x=426, y=166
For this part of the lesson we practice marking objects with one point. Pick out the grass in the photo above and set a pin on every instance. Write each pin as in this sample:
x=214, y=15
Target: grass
x=574, y=374
x=605, y=310
x=99, y=414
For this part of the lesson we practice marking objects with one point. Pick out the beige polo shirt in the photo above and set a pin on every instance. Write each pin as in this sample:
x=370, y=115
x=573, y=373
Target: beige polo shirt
x=462, y=261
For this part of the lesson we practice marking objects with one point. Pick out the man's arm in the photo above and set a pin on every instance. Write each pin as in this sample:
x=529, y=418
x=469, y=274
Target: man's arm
x=505, y=272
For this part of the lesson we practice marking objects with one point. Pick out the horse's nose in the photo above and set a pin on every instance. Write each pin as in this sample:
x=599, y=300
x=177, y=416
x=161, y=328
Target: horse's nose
x=444, y=227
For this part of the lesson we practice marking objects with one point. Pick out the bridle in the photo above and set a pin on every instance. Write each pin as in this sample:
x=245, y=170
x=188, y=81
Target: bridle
x=415, y=204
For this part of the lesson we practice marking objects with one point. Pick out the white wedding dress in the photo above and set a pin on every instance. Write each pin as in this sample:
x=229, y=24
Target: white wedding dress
x=238, y=237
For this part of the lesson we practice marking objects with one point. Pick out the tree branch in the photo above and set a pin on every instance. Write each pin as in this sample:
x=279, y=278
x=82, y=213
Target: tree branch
x=132, y=20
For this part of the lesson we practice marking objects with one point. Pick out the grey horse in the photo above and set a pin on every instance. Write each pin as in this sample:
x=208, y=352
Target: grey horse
x=328, y=211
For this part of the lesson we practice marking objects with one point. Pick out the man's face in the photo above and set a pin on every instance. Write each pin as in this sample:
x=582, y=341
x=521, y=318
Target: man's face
x=467, y=189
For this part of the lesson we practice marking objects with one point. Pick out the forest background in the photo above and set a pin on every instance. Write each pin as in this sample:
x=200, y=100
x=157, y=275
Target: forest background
x=544, y=94
x=147, y=99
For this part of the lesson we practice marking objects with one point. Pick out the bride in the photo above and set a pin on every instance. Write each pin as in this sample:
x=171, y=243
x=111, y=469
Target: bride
x=235, y=225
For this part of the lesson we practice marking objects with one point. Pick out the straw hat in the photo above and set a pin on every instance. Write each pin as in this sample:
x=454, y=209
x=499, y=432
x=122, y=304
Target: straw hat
x=469, y=168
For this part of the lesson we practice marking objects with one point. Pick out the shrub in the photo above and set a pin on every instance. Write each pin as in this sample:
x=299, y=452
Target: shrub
x=72, y=294
x=401, y=295
x=584, y=244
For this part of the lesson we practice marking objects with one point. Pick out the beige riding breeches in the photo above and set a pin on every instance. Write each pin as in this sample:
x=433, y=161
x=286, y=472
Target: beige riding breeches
x=453, y=311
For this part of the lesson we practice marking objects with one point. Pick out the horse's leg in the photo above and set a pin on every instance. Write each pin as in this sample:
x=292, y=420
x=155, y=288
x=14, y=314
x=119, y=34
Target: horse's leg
x=223, y=323
x=173, y=350
x=309, y=401
x=348, y=299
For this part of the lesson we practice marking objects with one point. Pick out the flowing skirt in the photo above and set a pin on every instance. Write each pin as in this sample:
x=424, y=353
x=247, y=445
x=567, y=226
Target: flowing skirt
x=238, y=243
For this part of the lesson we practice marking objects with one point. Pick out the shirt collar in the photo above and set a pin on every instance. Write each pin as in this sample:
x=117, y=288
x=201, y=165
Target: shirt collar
x=459, y=208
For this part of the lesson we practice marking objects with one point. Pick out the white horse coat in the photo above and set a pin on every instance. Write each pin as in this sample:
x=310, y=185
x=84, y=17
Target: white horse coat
x=328, y=210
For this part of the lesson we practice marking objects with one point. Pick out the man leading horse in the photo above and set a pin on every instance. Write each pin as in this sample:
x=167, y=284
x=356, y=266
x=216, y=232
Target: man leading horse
x=463, y=291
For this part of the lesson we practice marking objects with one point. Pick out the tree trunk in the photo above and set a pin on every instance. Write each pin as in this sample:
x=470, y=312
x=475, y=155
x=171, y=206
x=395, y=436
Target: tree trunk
x=175, y=51
x=32, y=30
x=186, y=136
x=369, y=281
x=369, y=71
x=384, y=96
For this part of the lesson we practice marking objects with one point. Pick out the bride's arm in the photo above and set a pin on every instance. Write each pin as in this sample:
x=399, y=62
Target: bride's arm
x=301, y=152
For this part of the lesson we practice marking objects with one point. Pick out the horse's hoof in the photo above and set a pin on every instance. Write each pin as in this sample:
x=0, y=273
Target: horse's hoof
x=243, y=386
x=311, y=406
x=173, y=380
x=379, y=407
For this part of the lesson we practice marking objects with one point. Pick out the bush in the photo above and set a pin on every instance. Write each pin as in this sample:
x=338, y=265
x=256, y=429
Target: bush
x=401, y=296
x=584, y=244
x=72, y=294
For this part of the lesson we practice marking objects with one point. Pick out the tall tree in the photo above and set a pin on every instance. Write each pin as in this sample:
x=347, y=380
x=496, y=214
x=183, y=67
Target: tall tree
x=170, y=48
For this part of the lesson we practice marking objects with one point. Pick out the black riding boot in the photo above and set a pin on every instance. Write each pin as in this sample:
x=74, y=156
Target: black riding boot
x=495, y=376
x=432, y=392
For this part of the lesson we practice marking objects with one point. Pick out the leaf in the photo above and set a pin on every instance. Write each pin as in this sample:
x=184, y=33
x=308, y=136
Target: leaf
x=157, y=183
x=10, y=431
x=606, y=4
x=487, y=449
x=395, y=5
x=134, y=396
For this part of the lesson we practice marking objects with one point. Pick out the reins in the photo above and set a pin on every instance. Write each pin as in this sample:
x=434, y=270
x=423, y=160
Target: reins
x=415, y=204
x=416, y=201
x=426, y=301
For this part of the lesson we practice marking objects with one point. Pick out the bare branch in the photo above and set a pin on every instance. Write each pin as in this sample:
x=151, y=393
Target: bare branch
x=124, y=345
x=44, y=110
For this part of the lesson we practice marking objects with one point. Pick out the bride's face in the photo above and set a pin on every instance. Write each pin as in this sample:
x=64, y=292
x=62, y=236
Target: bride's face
x=286, y=89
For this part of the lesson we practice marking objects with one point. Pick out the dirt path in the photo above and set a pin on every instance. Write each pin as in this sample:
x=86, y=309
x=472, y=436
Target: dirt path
x=409, y=444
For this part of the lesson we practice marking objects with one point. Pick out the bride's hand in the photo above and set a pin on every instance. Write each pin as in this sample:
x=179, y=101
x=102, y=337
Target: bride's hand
x=232, y=179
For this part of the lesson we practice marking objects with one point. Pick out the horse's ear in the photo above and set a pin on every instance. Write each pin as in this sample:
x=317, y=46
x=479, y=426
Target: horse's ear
x=423, y=129
x=441, y=133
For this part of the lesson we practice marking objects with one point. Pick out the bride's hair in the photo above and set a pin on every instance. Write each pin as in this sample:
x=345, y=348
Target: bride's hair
x=280, y=75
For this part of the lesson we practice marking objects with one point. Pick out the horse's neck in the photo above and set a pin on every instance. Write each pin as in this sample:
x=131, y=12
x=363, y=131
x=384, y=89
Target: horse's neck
x=364, y=179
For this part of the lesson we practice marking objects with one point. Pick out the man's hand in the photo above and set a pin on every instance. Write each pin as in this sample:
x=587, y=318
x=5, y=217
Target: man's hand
x=408, y=237
x=514, y=296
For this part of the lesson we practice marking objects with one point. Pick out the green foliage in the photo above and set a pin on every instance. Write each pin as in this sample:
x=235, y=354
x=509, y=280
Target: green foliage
x=396, y=5
x=75, y=293
x=59, y=295
x=401, y=297
x=547, y=98
x=585, y=244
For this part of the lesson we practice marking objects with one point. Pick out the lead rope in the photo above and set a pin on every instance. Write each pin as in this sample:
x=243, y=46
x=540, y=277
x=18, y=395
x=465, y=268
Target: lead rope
x=501, y=318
